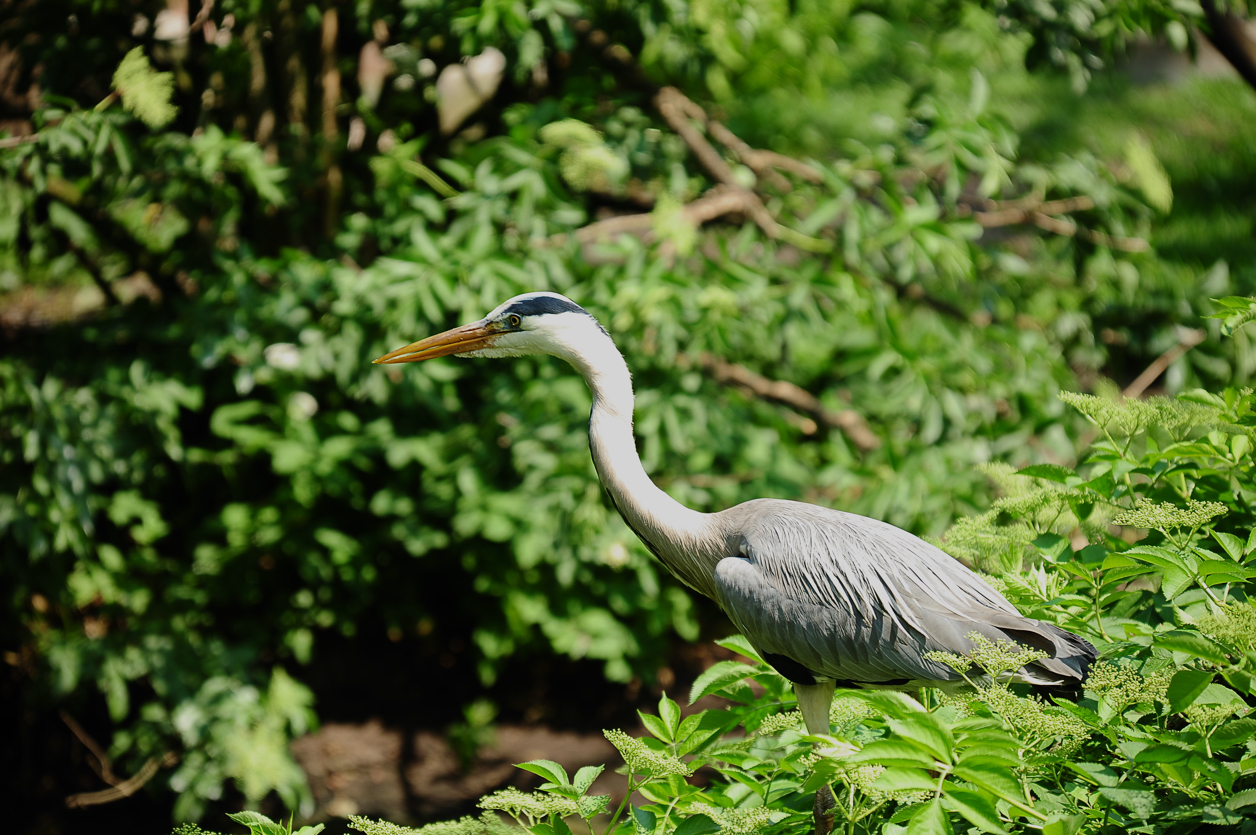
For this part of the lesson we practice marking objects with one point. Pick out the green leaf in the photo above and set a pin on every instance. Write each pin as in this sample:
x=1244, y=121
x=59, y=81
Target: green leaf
x=1050, y=472
x=145, y=92
x=1140, y=802
x=550, y=770
x=1163, y=752
x=1063, y=824
x=1233, y=733
x=975, y=806
x=643, y=821
x=1247, y=797
x=655, y=726
x=905, y=780
x=999, y=780
x=925, y=731
x=1096, y=773
x=1231, y=543
x=740, y=644
x=669, y=712
x=1191, y=643
x=1185, y=686
x=79, y=231
x=893, y=753
x=930, y=820
x=1174, y=582
x=718, y=676
x=697, y=825
x=1149, y=174
x=585, y=777
x=258, y=823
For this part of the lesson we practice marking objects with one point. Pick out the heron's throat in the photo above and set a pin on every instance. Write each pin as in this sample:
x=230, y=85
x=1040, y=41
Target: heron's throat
x=684, y=540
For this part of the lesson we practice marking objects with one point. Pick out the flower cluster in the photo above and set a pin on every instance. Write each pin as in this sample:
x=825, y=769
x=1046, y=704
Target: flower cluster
x=1120, y=685
x=738, y=821
x=1233, y=624
x=534, y=805
x=641, y=759
x=485, y=824
x=1031, y=719
x=995, y=658
x=1128, y=417
x=846, y=711
x=1205, y=717
x=779, y=722
x=1163, y=516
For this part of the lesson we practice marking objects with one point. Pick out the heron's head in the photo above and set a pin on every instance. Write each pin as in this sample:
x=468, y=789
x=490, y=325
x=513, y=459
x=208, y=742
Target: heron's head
x=533, y=323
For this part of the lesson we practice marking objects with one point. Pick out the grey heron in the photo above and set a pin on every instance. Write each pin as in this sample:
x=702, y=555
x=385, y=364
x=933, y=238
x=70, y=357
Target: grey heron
x=828, y=598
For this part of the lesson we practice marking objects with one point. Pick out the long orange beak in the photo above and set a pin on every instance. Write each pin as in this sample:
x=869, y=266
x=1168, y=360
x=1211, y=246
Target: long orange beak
x=457, y=341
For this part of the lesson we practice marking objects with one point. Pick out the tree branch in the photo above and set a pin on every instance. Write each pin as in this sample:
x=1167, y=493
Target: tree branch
x=677, y=110
x=1041, y=214
x=720, y=200
x=850, y=422
x=1186, y=341
x=1230, y=35
x=125, y=788
x=15, y=141
x=202, y=16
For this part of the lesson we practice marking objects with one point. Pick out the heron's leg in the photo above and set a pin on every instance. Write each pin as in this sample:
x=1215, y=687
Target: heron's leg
x=822, y=810
x=814, y=701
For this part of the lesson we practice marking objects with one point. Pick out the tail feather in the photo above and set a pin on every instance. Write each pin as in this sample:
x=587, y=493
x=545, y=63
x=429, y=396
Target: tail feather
x=1069, y=657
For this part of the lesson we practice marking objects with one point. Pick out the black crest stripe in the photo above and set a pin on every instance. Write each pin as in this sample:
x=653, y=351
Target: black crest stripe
x=540, y=305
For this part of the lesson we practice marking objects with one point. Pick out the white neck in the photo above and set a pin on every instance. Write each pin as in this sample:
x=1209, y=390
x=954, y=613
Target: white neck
x=685, y=540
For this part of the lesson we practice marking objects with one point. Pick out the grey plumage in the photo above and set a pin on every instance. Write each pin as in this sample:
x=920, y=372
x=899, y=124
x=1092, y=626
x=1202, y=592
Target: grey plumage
x=861, y=602
x=829, y=598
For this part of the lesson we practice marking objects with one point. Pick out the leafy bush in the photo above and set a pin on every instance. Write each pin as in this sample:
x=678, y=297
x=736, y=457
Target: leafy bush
x=205, y=478
x=1161, y=740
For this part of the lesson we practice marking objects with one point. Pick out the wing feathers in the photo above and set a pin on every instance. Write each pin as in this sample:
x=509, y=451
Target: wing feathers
x=854, y=599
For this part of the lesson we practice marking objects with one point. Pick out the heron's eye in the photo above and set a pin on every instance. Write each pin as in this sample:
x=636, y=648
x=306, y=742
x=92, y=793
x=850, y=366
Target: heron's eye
x=513, y=320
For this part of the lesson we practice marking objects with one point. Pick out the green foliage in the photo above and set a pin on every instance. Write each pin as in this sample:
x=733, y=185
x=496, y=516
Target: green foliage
x=203, y=479
x=145, y=92
x=1161, y=739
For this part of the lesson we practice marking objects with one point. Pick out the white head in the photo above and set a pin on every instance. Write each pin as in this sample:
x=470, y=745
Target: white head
x=532, y=323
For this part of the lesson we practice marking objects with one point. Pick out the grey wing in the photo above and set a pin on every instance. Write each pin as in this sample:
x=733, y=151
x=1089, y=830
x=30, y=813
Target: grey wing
x=825, y=594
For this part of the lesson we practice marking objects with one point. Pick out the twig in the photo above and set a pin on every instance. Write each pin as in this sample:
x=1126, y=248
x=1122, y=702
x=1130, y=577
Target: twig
x=1228, y=33
x=334, y=178
x=1040, y=213
x=1186, y=341
x=202, y=17
x=126, y=788
x=15, y=141
x=797, y=398
x=103, y=766
x=1022, y=211
x=720, y=200
x=762, y=162
x=676, y=109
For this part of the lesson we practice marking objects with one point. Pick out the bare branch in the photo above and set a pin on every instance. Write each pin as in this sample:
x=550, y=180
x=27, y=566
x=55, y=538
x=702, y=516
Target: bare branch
x=677, y=110
x=1233, y=38
x=850, y=422
x=760, y=162
x=1186, y=341
x=15, y=141
x=126, y=788
x=1041, y=214
x=1013, y=212
x=103, y=766
x=719, y=201
x=202, y=16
